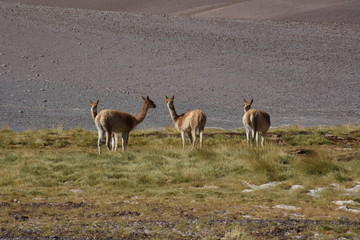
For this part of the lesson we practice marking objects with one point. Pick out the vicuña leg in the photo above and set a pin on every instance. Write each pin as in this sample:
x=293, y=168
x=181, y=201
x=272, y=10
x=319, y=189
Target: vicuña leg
x=263, y=135
x=101, y=136
x=201, y=132
x=183, y=138
x=108, y=136
x=247, y=135
x=253, y=135
x=190, y=137
x=193, y=133
x=124, y=140
x=114, y=142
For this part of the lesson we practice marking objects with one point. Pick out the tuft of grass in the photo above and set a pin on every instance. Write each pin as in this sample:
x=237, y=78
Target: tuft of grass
x=237, y=233
x=319, y=165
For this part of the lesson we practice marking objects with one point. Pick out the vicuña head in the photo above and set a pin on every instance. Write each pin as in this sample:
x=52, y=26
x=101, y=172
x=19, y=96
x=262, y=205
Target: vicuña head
x=189, y=122
x=93, y=106
x=110, y=122
x=255, y=121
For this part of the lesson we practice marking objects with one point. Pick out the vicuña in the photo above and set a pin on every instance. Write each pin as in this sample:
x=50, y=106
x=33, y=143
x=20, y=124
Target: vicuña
x=114, y=140
x=255, y=121
x=110, y=122
x=189, y=122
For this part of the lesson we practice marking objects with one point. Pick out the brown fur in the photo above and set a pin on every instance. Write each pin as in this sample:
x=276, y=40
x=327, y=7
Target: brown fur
x=110, y=122
x=255, y=121
x=189, y=122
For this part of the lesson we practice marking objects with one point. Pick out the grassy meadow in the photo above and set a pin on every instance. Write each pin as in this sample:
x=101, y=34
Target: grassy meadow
x=304, y=184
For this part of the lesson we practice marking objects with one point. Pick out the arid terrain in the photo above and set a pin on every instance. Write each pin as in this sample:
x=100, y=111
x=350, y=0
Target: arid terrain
x=299, y=61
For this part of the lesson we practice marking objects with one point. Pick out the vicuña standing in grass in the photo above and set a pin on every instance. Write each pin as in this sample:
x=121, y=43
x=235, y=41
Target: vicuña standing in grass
x=114, y=139
x=255, y=121
x=114, y=121
x=189, y=122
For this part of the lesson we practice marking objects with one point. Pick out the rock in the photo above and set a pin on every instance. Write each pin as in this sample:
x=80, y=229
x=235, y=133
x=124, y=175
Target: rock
x=295, y=187
x=287, y=207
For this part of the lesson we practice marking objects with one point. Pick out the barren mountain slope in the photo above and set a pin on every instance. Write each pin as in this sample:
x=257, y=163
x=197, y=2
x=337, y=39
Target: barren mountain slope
x=54, y=60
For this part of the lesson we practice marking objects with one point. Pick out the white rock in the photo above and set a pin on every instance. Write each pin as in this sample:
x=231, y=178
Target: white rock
x=346, y=208
x=346, y=202
x=287, y=207
x=314, y=192
x=75, y=190
x=295, y=187
x=356, y=188
x=263, y=186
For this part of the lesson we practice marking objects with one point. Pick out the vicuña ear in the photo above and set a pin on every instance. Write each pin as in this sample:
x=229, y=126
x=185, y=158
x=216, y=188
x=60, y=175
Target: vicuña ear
x=252, y=100
x=143, y=98
x=244, y=100
x=147, y=97
x=97, y=102
x=173, y=97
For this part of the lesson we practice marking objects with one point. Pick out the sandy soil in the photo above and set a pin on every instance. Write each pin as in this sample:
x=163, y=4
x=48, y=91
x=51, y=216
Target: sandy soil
x=300, y=62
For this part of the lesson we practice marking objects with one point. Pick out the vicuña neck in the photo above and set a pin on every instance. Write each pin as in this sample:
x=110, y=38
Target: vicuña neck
x=173, y=113
x=93, y=112
x=139, y=118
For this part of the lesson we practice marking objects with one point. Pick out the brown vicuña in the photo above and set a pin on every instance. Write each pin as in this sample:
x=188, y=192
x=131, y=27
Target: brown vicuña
x=115, y=121
x=189, y=122
x=114, y=140
x=255, y=121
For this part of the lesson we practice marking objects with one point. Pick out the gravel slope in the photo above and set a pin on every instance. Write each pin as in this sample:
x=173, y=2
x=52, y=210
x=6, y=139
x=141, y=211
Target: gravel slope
x=53, y=61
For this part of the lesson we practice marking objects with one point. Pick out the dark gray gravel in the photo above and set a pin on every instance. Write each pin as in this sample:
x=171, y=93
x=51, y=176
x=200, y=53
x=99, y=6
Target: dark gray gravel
x=54, y=60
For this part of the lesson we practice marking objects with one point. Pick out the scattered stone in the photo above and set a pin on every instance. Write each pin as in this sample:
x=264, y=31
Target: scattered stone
x=130, y=202
x=286, y=207
x=348, y=202
x=75, y=190
x=356, y=188
x=21, y=111
x=38, y=75
x=296, y=187
x=349, y=209
x=208, y=187
x=314, y=192
x=263, y=186
x=3, y=65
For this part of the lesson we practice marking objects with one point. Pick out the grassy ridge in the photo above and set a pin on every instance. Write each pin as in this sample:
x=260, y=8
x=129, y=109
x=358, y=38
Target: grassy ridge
x=56, y=176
